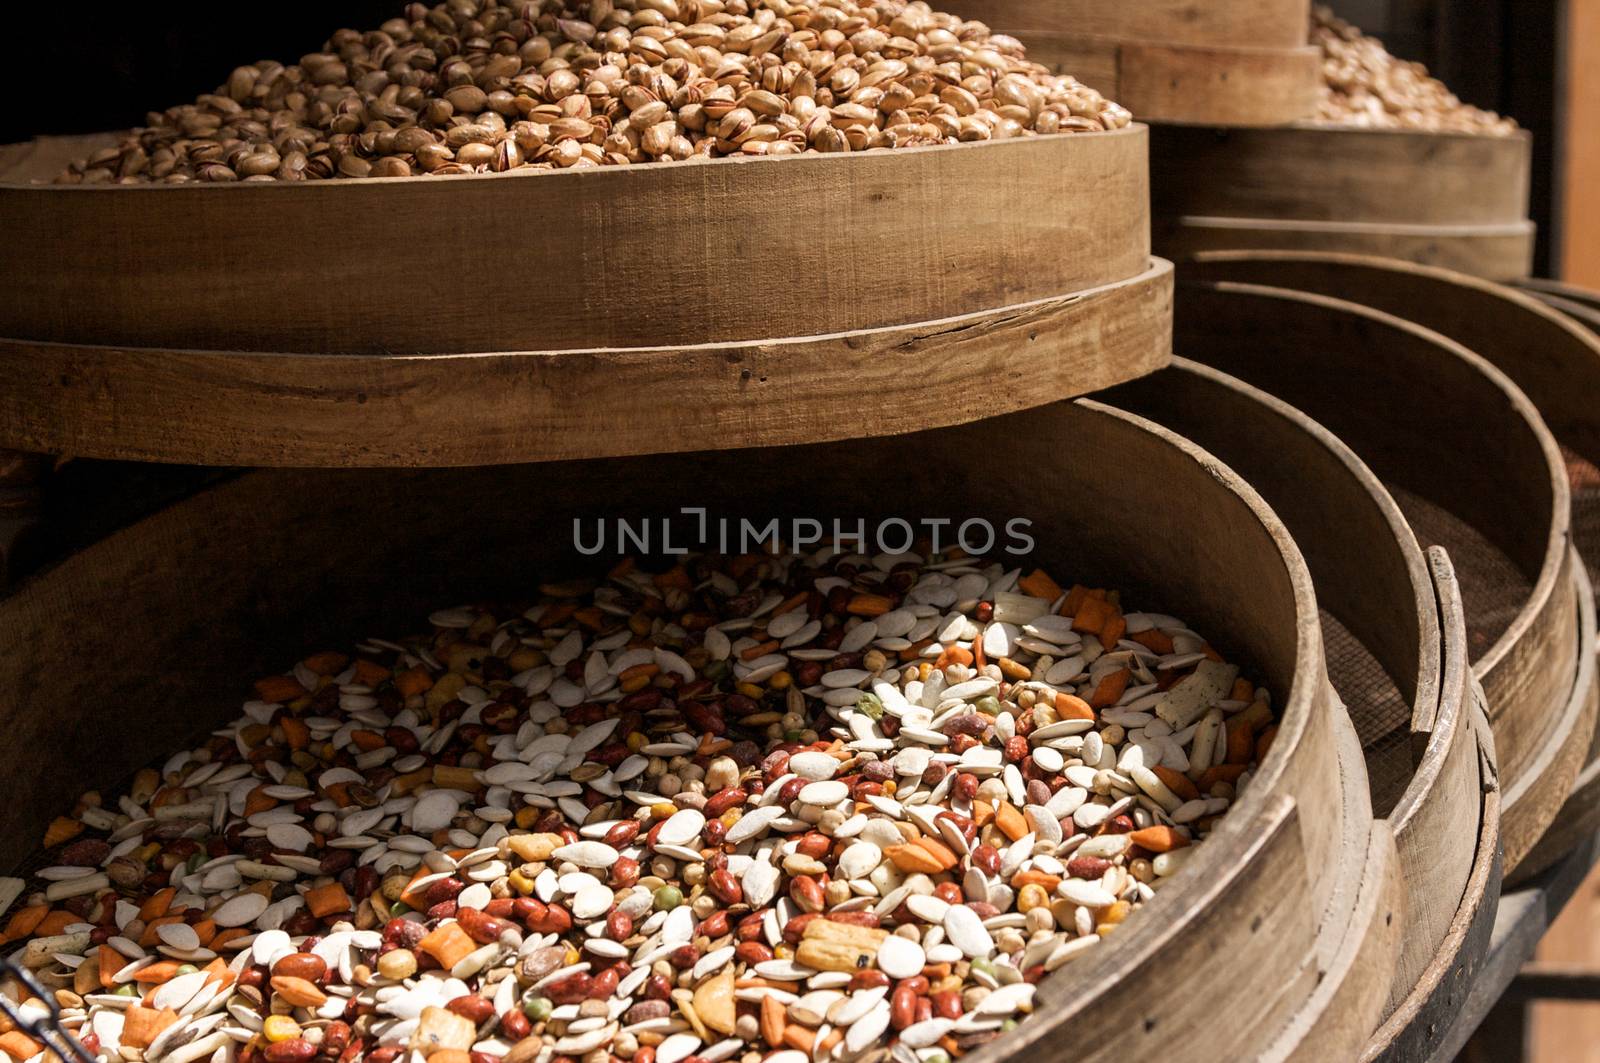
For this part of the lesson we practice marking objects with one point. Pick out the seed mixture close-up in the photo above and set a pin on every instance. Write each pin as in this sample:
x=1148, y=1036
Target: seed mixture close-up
x=773, y=807
x=1363, y=85
x=474, y=86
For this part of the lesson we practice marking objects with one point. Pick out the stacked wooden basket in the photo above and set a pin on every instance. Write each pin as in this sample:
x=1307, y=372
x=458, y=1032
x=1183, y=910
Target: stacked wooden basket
x=1360, y=472
x=1228, y=88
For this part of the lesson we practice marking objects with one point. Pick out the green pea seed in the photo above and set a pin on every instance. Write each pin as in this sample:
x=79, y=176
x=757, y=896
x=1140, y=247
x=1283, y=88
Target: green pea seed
x=668, y=898
x=988, y=705
x=537, y=1008
x=187, y=968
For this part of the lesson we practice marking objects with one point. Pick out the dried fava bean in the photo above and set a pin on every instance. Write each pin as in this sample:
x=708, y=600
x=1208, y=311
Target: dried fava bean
x=466, y=827
x=494, y=85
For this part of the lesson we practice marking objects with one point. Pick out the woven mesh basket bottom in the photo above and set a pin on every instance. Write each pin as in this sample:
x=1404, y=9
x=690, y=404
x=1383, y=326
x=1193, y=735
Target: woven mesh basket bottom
x=1493, y=589
x=1380, y=713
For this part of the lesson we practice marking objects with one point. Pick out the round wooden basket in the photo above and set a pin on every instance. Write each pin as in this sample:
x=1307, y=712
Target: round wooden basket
x=561, y=314
x=1397, y=655
x=1444, y=199
x=1294, y=906
x=1580, y=304
x=1474, y=469
x=1235, y=63
x=1552, y=359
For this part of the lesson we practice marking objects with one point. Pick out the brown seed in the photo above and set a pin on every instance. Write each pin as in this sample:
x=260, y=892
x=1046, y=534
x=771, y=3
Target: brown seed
x=752, y=952
x=472, y=1007
x=724, y=887
x=294, y=1050
x=302, y=965
x=807, y=893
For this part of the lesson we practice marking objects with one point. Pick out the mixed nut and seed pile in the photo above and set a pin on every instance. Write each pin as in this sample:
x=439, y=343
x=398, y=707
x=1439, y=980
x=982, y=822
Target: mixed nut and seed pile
x=1363, y=85
x=765, y=808
x=472, y=86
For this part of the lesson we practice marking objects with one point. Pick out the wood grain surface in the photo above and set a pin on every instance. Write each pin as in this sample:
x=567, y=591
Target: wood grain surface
x=168, y=621
x=1416, y=1029
x=284, y=409
x=1224, y=62
x=725, y=251
x=1320, y=173
x=1444, y=199
x=1496, y=252
x=1553, y=359
x=1439, y=858
x=1563, y=761
x=1436, y=419
x=1221, y=23
x=1587, y=297
x=1372, y=576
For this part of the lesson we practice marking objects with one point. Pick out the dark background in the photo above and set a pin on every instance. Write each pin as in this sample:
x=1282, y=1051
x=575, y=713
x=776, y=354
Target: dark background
x=85, y=67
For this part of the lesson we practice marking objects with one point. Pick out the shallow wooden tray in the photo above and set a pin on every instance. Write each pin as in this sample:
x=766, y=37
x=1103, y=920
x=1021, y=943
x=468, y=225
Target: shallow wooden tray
x=1445, y=199
x=1244, y=62
x=1552, y=358
x=1473, y=468
x=135, y=643
x=1393, y=628
x=547, y=315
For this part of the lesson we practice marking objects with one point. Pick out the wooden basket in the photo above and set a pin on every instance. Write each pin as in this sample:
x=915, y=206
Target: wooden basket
x=1552, y=359
x=1445, y=199
x=1293, y=907
x=1415, y=1028
x=1474, y=469
x=561, y=314
x=1580, y=304
x=1215, y=62
x=1396, y=641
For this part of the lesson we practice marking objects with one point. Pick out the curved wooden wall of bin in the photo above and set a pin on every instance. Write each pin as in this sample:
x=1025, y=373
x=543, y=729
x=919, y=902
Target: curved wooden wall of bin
x=1293, y=907
x=1397, y=657
x=1580, y=304
x=560, y=314
x=1474, y=469
x=1572, y=293
x=1552, y=359
x=1444, y=199
x=1234, y=62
